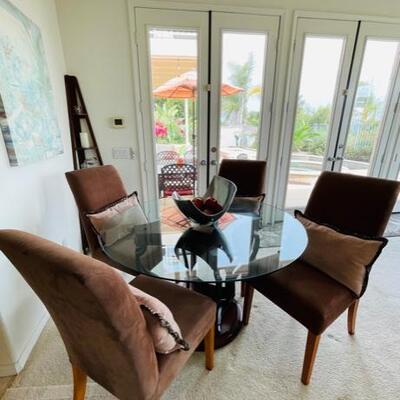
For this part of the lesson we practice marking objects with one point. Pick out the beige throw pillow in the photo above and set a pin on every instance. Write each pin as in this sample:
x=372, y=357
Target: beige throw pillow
x=118, y=220
x=165, y=332
x=345, y=258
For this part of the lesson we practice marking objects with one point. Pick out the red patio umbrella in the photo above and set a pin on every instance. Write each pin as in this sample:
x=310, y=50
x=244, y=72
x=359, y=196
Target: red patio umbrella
x=184, y=86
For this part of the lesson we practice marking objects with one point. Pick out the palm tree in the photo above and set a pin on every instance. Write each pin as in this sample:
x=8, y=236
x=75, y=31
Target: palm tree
x=235, y=106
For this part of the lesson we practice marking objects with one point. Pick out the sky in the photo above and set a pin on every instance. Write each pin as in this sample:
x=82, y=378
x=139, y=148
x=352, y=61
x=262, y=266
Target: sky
x=321, y=62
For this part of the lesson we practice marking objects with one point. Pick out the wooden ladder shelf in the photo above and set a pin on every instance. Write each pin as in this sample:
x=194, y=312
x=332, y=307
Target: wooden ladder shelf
x=84, y=154
x=87, y=154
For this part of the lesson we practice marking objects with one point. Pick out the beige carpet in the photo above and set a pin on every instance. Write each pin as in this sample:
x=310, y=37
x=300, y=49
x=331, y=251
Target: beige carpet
x=264, y=362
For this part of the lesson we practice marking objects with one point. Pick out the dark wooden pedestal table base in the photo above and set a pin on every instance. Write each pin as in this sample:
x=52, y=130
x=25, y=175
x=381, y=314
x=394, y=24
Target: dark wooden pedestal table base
x=229, y=313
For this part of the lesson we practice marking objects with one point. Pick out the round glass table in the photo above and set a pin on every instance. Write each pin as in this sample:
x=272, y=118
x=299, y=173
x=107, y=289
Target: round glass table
x=211, y=259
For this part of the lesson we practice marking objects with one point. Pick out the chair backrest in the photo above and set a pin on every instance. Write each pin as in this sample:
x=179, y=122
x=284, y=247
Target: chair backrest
x=167, y=157
x=247, y=175
x=177, y=177
x=100, y=322
x=93, y=189
x=353, y=203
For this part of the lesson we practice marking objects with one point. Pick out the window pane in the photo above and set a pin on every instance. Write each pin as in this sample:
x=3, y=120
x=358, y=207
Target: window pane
x=243, y=60
x=313, y=115
x=369, y=105
x=174, y=63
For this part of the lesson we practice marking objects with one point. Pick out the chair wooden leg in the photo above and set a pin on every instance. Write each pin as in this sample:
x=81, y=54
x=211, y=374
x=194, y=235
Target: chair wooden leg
x=351, y=317
x=309, y=357
x=209, y=347
x=80, y=379
x=248, y=300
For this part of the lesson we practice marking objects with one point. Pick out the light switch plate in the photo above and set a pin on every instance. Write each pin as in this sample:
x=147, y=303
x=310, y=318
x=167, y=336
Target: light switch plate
x=122, y=153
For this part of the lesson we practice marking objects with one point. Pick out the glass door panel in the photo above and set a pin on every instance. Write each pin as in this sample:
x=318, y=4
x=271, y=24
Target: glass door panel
x=368, y=137
x=320, y=67
x=243, y=58
x=242, y=83
x=373, y=92
x=315, y=104
x=173, y=60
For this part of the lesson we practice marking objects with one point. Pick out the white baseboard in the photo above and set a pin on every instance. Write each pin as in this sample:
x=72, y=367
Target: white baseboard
x=55, y=392
x=17, y=366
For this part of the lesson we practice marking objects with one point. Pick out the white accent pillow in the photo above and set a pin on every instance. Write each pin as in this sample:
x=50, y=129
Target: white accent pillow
x=118, y=220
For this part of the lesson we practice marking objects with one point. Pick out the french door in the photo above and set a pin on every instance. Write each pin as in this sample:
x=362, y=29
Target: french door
x=171, y=44
x=206, y=85
x=243, y=54
x=343, y=86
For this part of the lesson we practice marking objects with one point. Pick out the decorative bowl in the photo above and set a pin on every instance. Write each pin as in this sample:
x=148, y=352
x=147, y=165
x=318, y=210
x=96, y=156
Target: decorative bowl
x=221, y=189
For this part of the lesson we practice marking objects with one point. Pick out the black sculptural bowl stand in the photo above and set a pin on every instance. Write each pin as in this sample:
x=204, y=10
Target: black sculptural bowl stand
x=221, y=189
x=204, y=242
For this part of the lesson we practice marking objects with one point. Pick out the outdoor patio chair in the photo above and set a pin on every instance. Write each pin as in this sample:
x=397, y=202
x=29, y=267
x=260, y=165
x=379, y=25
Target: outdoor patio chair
x=177, y=177
x=167, y=157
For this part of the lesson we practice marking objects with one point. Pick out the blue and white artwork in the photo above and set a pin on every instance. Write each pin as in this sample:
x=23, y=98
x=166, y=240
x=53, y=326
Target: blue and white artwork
x=28, y=120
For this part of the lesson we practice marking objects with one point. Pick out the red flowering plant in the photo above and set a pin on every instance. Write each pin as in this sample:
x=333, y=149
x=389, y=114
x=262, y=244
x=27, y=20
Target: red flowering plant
x=160, y=130
x=167, y=116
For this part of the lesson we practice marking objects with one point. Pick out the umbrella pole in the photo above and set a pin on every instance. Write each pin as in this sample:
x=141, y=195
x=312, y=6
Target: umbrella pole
x=194, y=145
x=187, y=122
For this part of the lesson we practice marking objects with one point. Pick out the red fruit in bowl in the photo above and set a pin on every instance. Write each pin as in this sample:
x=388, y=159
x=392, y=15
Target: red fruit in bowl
x=209, y=202
x=198, y=202
x=217, y=208
x=212, y=204
x=208, y=211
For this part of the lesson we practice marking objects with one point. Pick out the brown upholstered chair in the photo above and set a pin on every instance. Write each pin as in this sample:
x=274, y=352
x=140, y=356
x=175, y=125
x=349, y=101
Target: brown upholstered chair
x=352, y=204
x=248, y=176
x=93, y=189
x=100, y=322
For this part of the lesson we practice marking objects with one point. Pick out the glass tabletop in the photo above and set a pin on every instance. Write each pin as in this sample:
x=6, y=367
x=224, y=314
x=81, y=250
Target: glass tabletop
x=239, y=247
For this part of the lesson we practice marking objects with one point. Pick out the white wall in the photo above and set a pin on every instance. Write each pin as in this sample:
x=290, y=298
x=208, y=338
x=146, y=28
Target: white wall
x=97, y=49
x=35, y=199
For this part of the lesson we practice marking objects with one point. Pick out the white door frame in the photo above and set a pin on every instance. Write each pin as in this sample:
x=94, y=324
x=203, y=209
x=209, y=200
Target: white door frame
x=317, y=27
x=268, y=25
x=390, y=166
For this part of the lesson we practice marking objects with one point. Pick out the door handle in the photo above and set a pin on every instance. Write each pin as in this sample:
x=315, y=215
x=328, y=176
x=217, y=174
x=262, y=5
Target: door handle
x=213, y=162
x=203, y=162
